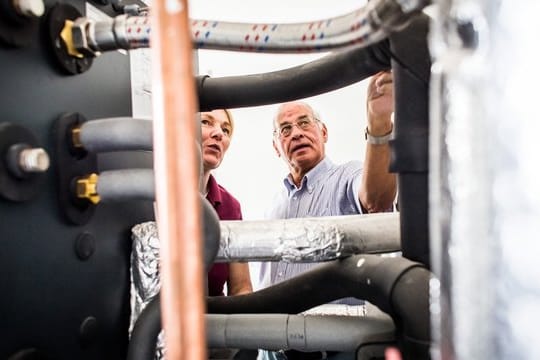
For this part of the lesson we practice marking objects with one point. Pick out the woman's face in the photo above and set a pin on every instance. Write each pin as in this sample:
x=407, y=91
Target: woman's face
x=216, y=137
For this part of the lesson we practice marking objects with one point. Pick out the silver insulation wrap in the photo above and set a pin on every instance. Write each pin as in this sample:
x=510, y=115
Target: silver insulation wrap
x=144, y=272
x=308, y=239
x=484, y=192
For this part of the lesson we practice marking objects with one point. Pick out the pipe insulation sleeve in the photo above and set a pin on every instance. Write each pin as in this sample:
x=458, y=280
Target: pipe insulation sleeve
x=308, y=239
x=126, y=184
x=329, y=73
x=116, y=134
x=297, y=332
x=397, y=286
x=143, y=340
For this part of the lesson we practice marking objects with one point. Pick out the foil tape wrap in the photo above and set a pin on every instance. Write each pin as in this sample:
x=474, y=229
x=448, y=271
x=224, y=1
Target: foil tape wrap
x=145, y=279
x=308, y=239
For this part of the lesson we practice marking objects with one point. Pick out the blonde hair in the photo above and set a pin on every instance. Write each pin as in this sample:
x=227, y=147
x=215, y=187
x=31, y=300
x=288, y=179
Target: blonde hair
x=231, y=119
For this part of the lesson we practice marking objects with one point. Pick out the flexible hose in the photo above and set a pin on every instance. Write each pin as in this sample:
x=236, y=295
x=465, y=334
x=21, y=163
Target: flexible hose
x=361, y=27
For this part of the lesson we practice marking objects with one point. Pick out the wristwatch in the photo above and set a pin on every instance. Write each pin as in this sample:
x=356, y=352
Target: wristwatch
x=379, y=140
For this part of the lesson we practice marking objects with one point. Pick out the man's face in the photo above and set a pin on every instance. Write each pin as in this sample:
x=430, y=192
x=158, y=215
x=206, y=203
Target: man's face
x=216, y=133
x=299, y=137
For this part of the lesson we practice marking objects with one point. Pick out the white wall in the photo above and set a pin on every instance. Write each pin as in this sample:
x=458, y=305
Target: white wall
x=251, y=170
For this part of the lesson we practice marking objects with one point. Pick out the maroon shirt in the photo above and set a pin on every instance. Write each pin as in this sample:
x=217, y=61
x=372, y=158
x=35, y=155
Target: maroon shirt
x=227, y=208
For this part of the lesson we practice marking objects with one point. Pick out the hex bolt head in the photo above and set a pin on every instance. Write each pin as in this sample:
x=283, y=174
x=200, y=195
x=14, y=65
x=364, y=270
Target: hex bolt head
x=34, y=160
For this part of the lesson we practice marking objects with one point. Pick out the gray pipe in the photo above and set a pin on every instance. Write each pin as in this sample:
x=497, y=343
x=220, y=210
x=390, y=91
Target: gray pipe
x=116, y=134
x=308, y=239
x=297, y=332
x=127, y=184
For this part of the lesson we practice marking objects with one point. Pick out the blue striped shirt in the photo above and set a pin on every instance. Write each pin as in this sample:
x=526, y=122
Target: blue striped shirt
x=326, y=190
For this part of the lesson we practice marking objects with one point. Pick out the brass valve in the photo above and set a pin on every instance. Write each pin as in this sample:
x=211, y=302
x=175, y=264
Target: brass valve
x=86, y=188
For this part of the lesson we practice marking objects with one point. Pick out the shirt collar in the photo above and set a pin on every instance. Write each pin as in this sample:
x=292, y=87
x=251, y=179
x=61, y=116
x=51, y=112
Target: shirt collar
x=214, y=195
x=311, y=177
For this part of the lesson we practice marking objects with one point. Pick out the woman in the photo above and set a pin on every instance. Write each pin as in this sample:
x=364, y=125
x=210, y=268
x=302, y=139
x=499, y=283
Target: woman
x=217, y=128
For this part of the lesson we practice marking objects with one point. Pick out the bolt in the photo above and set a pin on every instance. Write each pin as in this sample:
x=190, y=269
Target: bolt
x=34, y=160
x=29, y=8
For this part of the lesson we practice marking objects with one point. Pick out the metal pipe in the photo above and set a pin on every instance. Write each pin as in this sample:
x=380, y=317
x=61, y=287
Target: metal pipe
x=179, y=223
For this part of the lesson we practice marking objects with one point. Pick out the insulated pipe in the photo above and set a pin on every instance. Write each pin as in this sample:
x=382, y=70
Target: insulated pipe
x=308, y=239
x=126, y=184
x=411, y=66
x=329, y=73
x=280, y=331
x=143, y=340
x=297, y=332
x=115, y=134
x=175, y=159
x=397, y=286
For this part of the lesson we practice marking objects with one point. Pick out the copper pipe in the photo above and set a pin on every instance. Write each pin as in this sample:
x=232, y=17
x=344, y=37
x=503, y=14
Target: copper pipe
x=178, y=217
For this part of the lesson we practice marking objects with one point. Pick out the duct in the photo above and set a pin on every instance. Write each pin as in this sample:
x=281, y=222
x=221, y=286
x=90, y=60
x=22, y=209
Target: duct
x=297, y=332
x=361, y=27
x=331, y=72
x=485, y=180
x=397, y=286
x=116, y=134
x=308, y=239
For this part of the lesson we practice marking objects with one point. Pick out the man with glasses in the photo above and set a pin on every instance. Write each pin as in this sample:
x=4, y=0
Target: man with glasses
x=315, y=186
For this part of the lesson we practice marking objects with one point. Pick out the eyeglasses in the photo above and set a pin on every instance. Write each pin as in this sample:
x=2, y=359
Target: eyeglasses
x=285, y=129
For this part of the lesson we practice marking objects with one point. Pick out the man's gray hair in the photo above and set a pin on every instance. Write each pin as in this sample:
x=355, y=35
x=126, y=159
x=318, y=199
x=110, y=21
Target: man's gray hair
x=314, y=113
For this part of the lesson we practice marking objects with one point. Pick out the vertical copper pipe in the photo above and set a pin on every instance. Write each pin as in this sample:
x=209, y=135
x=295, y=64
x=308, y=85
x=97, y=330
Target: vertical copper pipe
x=177, y=198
